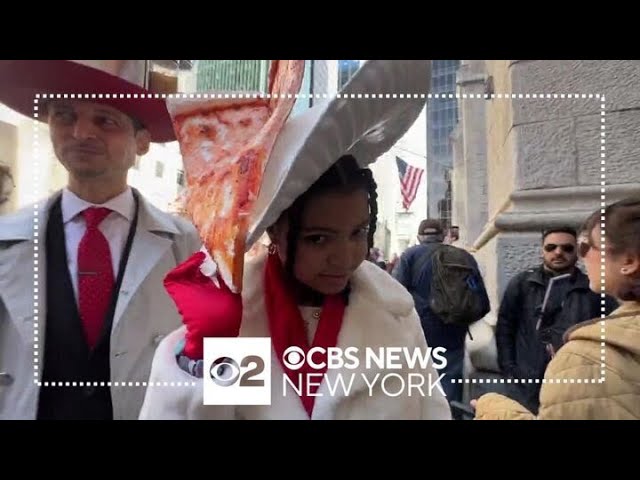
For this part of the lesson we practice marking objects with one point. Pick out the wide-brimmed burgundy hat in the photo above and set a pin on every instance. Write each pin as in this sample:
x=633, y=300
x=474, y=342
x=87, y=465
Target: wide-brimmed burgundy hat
x=21, y=80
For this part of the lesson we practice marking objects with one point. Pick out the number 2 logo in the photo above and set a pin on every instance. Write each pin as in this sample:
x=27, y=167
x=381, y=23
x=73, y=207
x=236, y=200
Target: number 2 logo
x=225, y=371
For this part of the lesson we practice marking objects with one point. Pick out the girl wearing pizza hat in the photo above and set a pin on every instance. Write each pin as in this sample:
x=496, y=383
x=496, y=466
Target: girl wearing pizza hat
x=313, y=288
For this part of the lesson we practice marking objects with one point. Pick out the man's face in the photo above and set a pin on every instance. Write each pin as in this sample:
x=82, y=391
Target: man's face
x=559, y=251
x=93, y=140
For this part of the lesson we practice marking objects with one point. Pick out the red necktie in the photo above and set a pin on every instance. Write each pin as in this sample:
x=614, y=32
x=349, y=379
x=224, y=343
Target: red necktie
x=95, y=275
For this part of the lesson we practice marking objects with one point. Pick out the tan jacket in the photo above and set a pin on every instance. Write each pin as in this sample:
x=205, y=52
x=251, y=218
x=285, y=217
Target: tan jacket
x=581, y=383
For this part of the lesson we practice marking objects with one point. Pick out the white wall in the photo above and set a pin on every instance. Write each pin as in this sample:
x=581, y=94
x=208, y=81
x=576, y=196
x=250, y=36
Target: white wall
x=412, y=148
x=36, y=172
x=51, y=175
x=160, y=191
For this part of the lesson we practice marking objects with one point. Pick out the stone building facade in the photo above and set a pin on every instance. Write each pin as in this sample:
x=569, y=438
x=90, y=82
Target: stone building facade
x=522, y=164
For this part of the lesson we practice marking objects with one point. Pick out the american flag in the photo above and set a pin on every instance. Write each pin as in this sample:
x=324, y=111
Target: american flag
x=410, y=178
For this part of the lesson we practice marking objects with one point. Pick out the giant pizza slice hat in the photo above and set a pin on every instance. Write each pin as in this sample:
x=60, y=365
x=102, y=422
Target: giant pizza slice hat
x=246, y=159
x=127, y=85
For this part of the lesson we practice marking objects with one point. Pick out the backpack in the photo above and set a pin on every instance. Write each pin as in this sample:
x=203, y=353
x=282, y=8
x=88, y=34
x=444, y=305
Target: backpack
x=457, y=294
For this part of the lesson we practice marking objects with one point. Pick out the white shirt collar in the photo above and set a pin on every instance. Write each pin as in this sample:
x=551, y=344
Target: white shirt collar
x=72, y=205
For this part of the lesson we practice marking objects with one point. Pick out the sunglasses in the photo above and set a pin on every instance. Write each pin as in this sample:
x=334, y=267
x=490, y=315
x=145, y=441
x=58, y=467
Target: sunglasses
x=583, y=248
x=566, y=247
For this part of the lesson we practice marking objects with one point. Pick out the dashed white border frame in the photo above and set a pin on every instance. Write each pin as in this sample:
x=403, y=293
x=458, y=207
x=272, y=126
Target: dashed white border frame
x=464, y=96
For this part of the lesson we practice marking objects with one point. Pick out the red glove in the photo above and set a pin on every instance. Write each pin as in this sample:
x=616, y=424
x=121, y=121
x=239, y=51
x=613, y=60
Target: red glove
x=207, y=310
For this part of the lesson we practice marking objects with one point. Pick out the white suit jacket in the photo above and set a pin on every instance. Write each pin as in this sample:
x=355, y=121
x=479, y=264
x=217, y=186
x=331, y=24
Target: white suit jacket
x=144, y=312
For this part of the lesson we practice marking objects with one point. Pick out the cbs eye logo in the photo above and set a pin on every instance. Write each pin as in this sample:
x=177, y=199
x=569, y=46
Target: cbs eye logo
x=225, y=371
x=293, y=357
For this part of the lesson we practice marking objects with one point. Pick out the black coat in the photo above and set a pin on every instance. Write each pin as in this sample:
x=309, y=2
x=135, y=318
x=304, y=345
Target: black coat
x=521, y=348
x=522, y=351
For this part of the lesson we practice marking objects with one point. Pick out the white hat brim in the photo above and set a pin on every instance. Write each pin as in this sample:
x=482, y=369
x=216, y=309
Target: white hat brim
x=349, y=123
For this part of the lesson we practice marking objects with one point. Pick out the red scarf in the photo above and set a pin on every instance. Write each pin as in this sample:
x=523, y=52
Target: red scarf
x=287, y=327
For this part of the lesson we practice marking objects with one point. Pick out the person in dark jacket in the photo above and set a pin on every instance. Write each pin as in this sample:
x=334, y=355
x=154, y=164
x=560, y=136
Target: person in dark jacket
x=414, y=272
x=527, y=336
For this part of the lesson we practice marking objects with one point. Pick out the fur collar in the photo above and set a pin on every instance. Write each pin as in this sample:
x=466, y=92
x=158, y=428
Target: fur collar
x=369, y=285
x=377, y=315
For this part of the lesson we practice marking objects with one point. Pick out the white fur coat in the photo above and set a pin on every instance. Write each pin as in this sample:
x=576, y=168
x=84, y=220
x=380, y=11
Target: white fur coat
x=380, y=313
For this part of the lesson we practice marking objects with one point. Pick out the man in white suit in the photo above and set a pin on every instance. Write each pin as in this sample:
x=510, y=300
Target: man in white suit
x=81, y=346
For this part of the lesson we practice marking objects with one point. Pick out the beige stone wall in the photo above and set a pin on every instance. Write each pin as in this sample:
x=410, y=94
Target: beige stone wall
x=567, y=131
x=469, y=176
x=500, y=139
x=486, y=261
x=543, y=156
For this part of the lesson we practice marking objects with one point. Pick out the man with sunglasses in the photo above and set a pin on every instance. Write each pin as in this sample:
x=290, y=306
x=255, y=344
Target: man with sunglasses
x=527, y=335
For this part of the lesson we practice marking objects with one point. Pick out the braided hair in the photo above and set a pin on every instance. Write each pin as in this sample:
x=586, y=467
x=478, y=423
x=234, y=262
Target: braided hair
x=345, y=176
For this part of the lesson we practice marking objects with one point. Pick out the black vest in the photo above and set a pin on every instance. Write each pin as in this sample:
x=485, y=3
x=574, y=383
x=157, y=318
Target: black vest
x=67, y=357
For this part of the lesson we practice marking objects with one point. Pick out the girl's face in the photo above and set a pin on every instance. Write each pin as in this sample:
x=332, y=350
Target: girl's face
x=619, y=269
x=333, y=240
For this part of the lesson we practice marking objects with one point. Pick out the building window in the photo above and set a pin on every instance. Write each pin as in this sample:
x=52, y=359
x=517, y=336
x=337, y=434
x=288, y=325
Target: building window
x=442, y=119
x=444, y=204
x=346, y=70
x=159, y=169
x=227, y=75
x=180, y=178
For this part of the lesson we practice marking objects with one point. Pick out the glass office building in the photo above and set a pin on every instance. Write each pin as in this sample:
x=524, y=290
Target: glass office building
x=442, y=119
